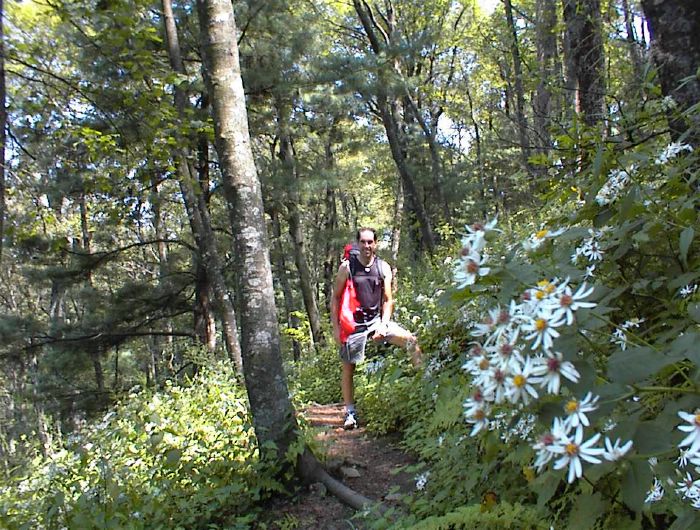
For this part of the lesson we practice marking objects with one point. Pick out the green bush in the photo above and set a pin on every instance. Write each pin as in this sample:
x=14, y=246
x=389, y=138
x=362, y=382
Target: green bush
x=184, y=457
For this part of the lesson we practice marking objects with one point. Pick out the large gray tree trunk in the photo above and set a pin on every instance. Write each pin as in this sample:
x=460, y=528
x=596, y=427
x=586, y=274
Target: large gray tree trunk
x=585, y=42
x=265, y=380
x=197, y=210
x=675, y=39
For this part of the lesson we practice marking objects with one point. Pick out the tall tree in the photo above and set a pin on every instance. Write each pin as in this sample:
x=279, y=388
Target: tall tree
x=260, y=344
x=197, y=209
x=585, y=48
x=675, y=27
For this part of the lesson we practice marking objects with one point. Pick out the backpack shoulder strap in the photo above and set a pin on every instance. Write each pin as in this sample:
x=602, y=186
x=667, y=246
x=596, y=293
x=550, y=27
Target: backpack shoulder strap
x=380, y=266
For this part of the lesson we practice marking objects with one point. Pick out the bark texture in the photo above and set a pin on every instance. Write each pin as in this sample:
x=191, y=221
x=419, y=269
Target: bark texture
x=587, y=64
x=675, y=40
x=260, y=342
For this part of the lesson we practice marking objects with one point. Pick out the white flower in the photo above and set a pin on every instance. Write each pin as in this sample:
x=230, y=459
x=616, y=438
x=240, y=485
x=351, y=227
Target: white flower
x=614, y=451
x=689, y=488
x=567, y=302
x=693, y=430
x=619, y=337
x=551, y=368
x=539, y=237
x=668, y=103
x=688, y=290
x=468, y=268
x=573, y=450
x=576, y=410
x=546, y=443
x=671, y=151
x=520, y=385
x=422, y=480
x=541, y=329
x=656, y=492
x=683, y=457
x=479, y=419
x=589, y=272
x=495, y=386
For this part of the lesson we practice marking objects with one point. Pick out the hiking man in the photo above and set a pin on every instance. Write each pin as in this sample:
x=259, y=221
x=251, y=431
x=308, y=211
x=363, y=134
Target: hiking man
x=371, y=277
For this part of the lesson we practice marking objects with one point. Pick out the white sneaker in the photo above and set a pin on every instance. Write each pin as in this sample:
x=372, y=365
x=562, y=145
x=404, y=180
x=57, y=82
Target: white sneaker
x=350, y=421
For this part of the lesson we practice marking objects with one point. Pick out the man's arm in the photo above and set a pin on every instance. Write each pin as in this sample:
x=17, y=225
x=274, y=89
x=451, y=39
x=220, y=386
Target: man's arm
x=338, y=287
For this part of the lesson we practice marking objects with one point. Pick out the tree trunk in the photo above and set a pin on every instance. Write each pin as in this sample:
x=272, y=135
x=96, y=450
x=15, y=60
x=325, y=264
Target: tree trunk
x=583, y=28
x=280, y=262
x=675, y=45
x=196, y=207
x=543, y=106
x=388, y=108
x=519, y=93
x=296, y=231
x=634, y=48
x=265, y=380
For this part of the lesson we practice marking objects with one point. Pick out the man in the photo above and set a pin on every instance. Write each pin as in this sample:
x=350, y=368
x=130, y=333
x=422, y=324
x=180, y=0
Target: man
x=371, y=277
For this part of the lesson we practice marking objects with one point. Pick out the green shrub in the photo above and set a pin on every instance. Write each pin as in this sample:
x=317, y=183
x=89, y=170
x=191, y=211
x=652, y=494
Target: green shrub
x=184, y=457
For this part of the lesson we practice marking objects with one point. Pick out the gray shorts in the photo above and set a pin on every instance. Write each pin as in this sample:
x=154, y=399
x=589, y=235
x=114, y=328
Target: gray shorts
x=353, y=351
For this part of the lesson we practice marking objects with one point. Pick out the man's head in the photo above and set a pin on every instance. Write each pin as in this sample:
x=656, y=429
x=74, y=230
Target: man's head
x=367, y=241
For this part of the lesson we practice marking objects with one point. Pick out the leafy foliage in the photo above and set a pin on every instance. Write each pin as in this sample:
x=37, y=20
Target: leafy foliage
x=185, y=457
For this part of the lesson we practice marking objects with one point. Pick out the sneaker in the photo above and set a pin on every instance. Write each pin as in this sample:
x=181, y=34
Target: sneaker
x=350, y=421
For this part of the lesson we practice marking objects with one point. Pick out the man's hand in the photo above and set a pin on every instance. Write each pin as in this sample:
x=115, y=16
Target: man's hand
x=381, y=332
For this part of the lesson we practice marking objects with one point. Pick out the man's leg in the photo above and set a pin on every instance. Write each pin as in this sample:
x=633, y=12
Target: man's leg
x=346, y=385
x=403, y=338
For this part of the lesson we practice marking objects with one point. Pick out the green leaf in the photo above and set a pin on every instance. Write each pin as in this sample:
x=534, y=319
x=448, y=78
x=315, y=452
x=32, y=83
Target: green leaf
x=686, y=519
x=694, y=311
x=685, y=241
x=652, y=437
x=172, y=457
x=635, y=484
x=586, y=511
x=636, y=364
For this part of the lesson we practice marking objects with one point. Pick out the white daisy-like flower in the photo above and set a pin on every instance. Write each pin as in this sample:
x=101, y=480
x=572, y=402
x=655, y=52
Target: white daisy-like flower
x=542, y=329
x=495, y=387
x=693, y=430
x=576, y=410
x=656, y=493
x=615, y=451
x=573, y=450
x=688, y=290
x=619, y=337
x=536, y=240
x=589, y=272
x=479, y=419
x=551, y=368
x=689, y=487
x=672, y=150
x=422, y=480
x=546, y=442
x=684, y=455
x=470, y=267
x=520, y=385
x=569, y=302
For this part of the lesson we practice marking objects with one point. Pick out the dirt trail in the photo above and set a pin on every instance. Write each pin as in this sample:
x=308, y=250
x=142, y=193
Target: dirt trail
x=367, y=464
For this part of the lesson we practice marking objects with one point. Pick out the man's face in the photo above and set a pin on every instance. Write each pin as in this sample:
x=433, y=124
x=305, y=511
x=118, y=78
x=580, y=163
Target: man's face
x=367, y=243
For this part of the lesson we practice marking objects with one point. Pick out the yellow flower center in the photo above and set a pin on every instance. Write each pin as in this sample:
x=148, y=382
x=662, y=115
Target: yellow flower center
x=479, y=415
x=539, y=295
x=571, y=406
x=541, y=234
x=484, y=364
x=540, y=324
x=519, y=381
x=697, y=419
x=549, y=288
x=571, y=449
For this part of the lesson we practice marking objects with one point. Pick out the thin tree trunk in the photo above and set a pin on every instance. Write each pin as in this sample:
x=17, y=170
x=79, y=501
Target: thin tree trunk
x=519, y=93
x=292, y=319
x=330, y=263
x=634, y=47
x=583, y=27
x=543, y=106
x=260, y=343
x=296, y=231
x=388, y=108
x=197, y=210
x=396, y=232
